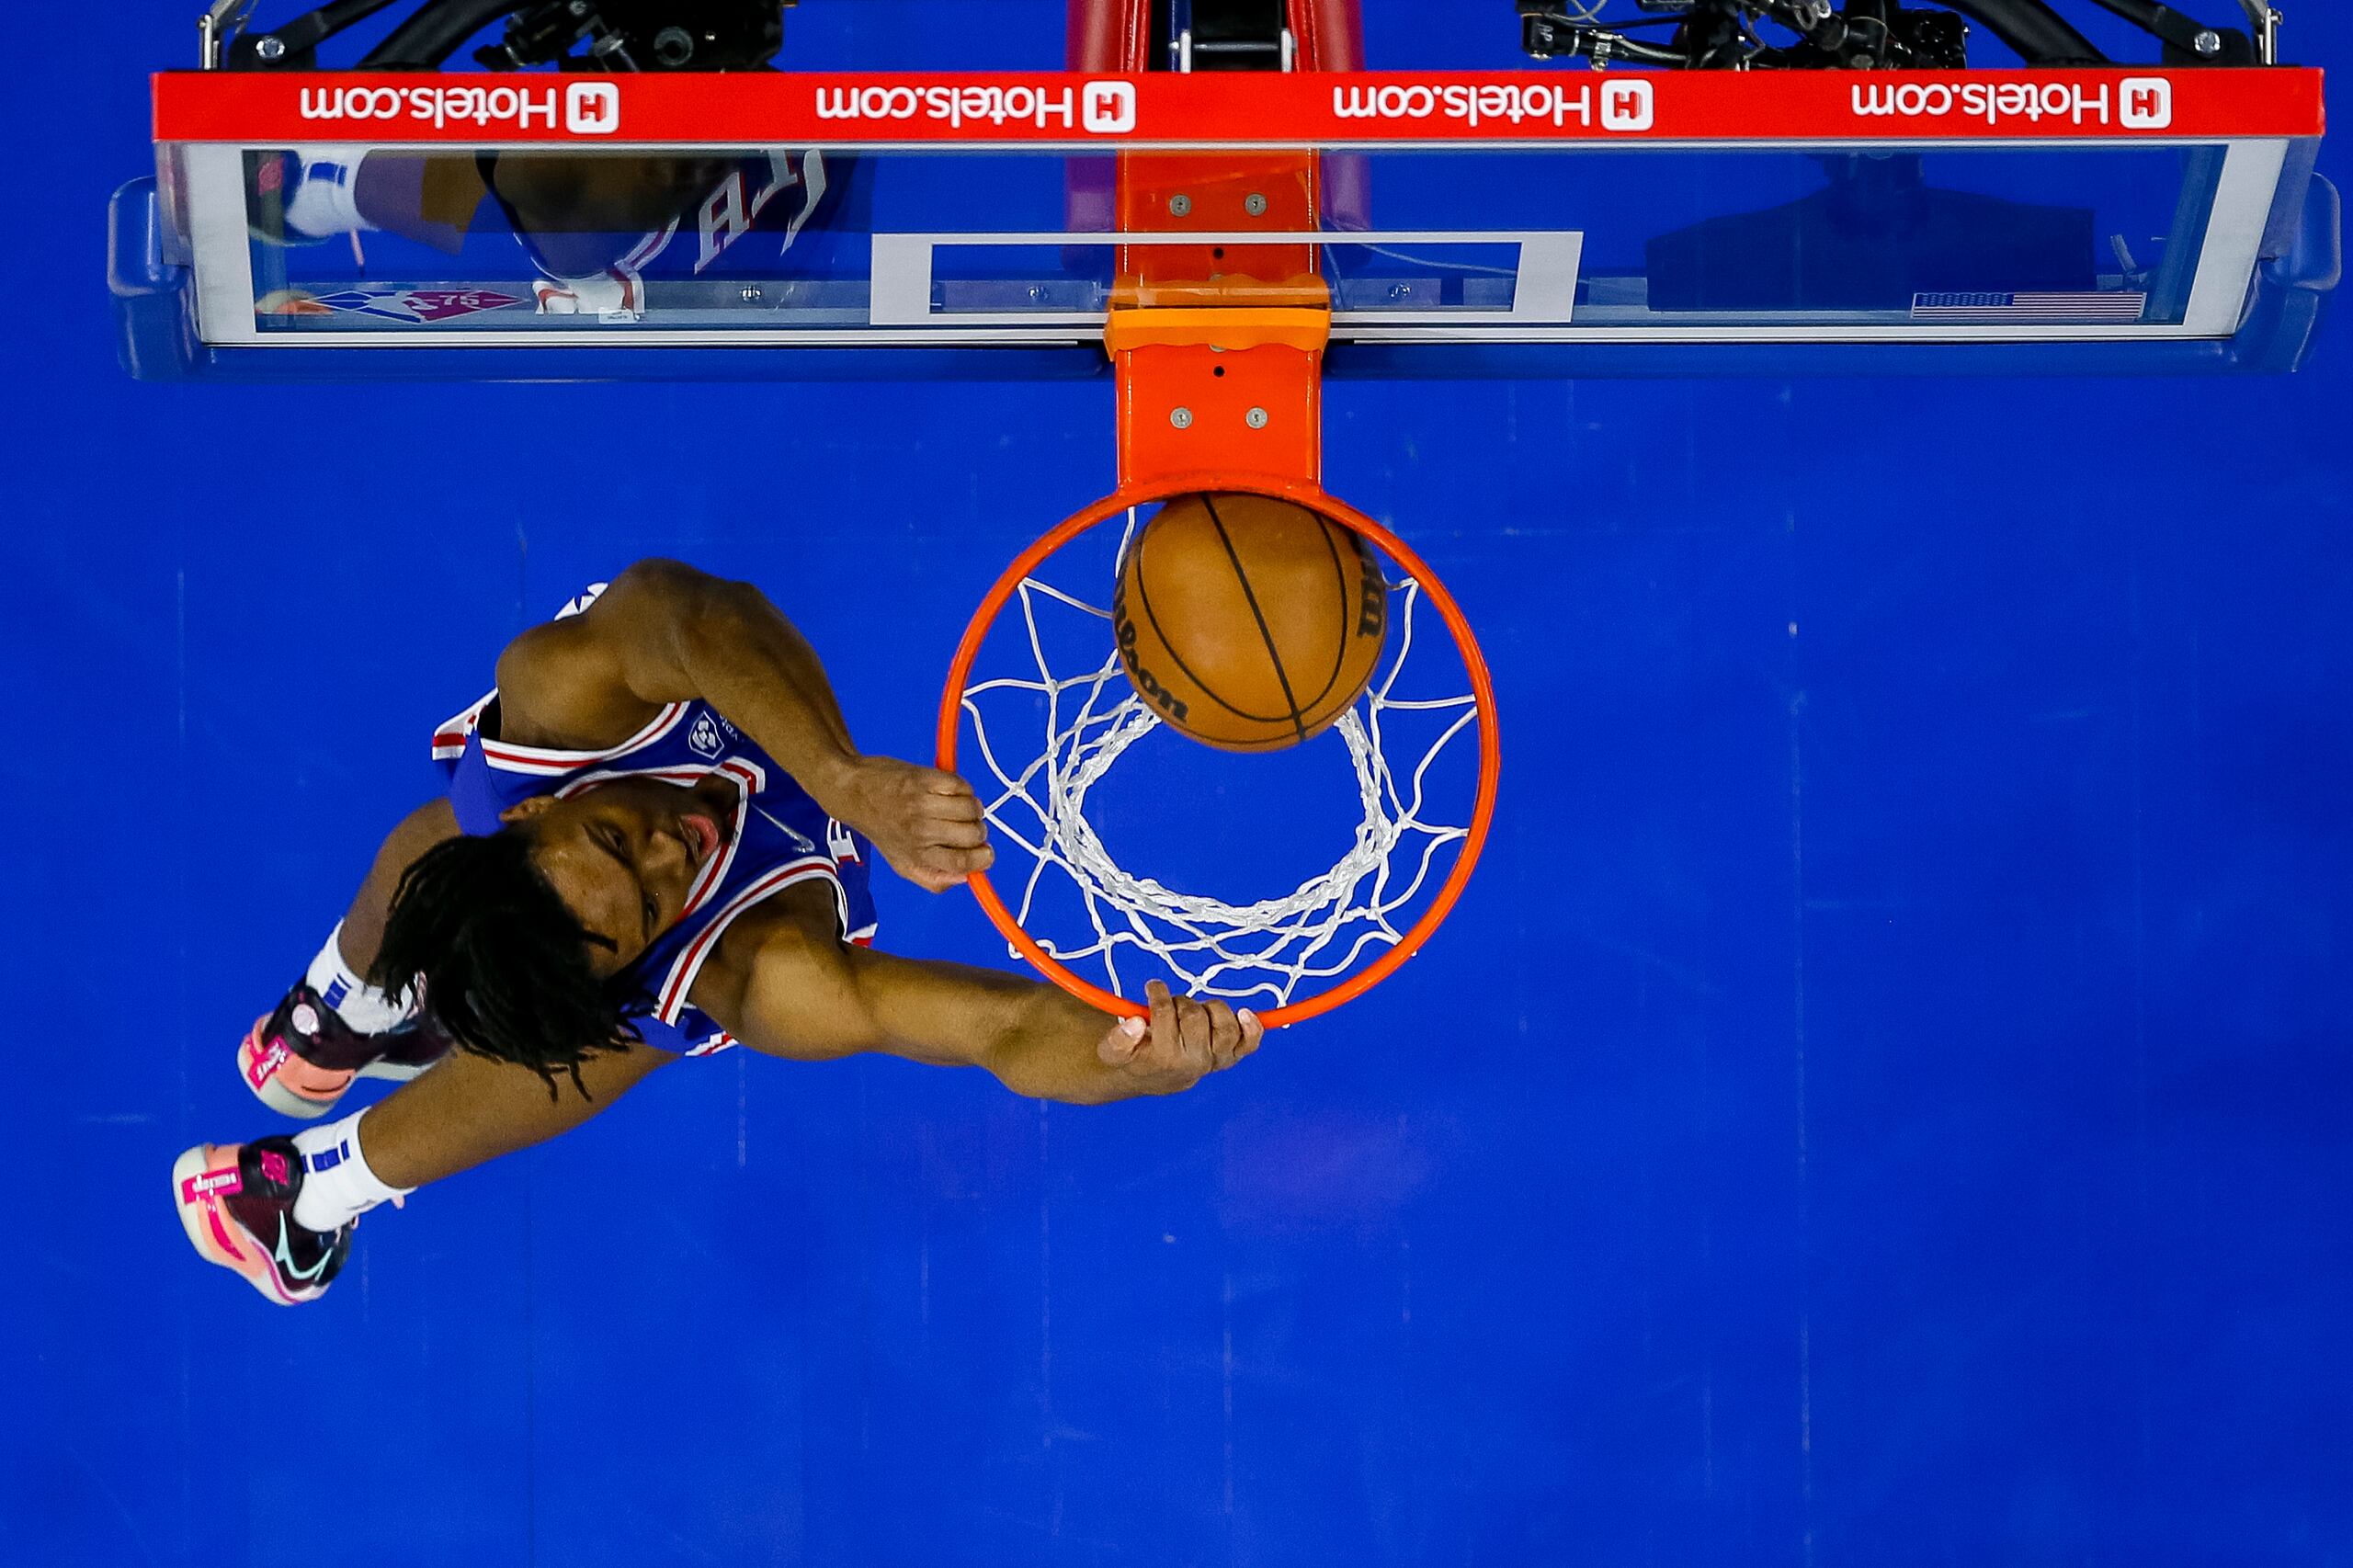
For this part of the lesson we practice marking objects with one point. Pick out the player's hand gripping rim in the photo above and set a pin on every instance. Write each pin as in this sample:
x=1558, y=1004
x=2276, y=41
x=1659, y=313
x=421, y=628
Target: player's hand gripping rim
x=928, y=823
x=1179, y=1042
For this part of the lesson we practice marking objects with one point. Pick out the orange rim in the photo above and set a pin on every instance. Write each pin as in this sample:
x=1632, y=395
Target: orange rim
x=951, y=712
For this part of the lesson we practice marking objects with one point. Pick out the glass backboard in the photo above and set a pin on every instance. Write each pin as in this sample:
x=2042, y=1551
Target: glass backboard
x=1517, y=212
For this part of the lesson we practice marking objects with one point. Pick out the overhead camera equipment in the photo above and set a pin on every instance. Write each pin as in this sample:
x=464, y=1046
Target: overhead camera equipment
x=1869, y=35
x=570, y=35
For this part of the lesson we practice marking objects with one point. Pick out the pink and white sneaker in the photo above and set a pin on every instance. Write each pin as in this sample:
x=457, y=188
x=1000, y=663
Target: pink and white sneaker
x=236, y=1203
x=298, y=1058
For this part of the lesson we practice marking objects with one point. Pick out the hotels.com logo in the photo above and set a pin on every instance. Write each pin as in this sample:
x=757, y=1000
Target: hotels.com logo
x=589, y=109
x=1623, y=103
x=1103, y=108
x=1109, y=107
x=1627, y=104
x=592, y=109
x=2135, y=103
x=2147, y=103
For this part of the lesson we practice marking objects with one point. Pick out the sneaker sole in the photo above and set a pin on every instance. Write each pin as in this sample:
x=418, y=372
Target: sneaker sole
x=394, y=1071
x=198, y=1219
x=286, y=1102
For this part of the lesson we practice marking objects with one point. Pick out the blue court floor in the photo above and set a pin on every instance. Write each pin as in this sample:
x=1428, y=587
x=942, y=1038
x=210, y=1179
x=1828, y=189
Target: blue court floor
x=1885, y=1100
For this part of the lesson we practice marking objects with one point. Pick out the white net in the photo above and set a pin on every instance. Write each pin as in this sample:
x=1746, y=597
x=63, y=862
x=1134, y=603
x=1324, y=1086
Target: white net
x=1263, y=952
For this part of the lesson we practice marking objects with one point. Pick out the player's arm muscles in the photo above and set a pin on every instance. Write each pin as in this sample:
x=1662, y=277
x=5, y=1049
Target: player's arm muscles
x=798, y=993
x=663, y=631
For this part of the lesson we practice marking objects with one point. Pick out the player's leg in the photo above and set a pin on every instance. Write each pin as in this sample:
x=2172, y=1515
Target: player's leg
x=281, y=1211
x=472, y=1109
x=333, y=1027
x=304, y=196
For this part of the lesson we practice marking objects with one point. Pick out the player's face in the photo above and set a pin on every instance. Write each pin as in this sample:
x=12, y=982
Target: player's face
x=623, y=856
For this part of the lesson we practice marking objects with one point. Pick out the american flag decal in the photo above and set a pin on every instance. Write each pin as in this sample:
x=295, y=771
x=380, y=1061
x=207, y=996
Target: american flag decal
x=2063, y=309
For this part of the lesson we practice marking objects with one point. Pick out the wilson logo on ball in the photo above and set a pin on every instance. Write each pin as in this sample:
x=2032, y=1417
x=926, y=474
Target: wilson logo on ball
x=1145, y=682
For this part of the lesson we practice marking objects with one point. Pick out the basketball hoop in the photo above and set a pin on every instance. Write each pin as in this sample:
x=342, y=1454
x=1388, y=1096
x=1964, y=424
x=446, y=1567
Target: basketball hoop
x=1329, y=939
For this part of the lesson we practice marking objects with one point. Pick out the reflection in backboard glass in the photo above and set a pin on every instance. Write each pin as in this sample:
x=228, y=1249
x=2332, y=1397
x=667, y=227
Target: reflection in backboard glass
x=782, y=244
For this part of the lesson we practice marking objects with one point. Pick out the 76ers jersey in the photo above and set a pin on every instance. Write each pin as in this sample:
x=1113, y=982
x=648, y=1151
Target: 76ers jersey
x=755, y=210
x=779, y=837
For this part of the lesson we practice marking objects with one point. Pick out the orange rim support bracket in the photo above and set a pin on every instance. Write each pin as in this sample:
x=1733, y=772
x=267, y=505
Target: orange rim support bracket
x=1219, y=347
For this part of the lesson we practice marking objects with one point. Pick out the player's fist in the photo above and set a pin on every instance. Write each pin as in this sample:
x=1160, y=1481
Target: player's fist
x=1181, y=1042
x=927, y=824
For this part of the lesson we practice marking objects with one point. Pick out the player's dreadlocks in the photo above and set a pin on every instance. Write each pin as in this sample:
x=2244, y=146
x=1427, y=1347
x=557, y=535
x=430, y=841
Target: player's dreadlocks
x=503, y=963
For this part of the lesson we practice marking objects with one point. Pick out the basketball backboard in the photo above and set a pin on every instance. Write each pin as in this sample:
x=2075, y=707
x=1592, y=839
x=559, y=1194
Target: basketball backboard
x=1531, y=224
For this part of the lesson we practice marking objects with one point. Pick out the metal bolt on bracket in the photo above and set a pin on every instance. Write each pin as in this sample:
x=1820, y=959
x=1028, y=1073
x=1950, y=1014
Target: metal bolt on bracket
x=1180, y=205
x=1181, y=417
x=1254, y=204
x=1256, y=419
x=269, y=46
x=2207, y=42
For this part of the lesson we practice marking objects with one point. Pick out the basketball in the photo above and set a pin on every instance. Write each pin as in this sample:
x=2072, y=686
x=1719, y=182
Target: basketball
x=1248, y=623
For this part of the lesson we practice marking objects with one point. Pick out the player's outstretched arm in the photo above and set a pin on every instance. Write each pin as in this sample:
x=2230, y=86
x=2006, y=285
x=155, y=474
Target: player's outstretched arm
x=805, y=995
x=665, y=632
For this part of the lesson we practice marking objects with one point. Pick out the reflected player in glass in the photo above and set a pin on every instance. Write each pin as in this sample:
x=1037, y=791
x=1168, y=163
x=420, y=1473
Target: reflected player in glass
x=595, y=227
x=656, y=842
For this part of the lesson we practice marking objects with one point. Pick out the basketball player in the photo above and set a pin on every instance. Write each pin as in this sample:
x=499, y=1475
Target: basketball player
x=656, y=842
x=594, y=226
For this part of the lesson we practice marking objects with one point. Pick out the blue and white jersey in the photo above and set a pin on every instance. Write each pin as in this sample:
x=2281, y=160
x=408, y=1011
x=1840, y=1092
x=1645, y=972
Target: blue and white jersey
x=779, y=837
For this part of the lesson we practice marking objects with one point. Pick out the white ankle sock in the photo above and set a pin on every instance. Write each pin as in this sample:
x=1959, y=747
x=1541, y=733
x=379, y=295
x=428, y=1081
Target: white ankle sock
x=338, y=1185
x=325, y=199
x=355, y=1001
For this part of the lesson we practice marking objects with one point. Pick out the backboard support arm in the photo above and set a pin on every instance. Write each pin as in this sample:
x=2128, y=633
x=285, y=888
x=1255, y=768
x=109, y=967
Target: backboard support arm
x=1218, y=369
